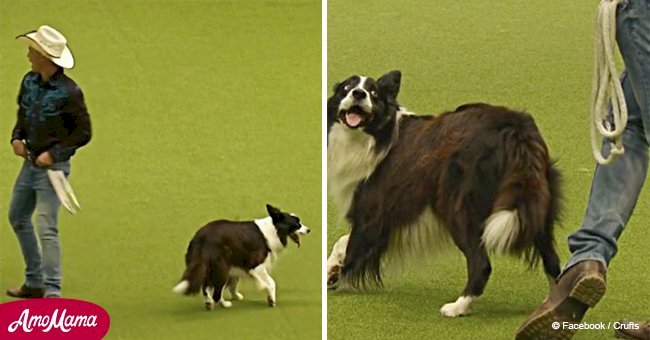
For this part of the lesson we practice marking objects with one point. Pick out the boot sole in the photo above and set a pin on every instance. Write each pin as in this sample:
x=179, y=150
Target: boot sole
x=24, y=296
x=587, y=291
x=620, y=335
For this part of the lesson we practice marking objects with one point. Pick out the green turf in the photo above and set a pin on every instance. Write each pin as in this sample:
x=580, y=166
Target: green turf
x=200, y=110
x=528, y=55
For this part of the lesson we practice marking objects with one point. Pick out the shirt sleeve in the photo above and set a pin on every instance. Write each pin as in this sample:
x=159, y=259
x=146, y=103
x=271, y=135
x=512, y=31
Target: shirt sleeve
x=78, y=124
x=19, y=129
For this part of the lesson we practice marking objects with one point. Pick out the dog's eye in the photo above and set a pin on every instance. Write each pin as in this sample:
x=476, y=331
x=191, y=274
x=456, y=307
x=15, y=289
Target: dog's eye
x=374, y=94
x=347, y=88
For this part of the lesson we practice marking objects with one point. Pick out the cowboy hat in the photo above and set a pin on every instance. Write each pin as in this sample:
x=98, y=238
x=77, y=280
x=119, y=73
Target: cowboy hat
x=50, y=43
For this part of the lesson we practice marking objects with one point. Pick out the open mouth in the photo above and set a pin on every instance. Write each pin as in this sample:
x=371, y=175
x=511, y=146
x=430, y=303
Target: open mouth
x=354, y=117
x=295, y=238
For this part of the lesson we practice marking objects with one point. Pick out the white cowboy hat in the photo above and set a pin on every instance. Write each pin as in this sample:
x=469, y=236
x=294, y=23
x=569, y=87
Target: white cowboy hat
x=51, y=43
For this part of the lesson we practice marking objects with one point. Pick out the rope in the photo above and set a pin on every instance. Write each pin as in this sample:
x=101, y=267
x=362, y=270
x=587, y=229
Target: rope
x=606, y=87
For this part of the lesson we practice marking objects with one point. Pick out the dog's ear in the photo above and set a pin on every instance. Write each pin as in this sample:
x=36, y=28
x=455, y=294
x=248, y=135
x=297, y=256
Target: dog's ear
x=336, y=87
x=332, y=109
x=390, y=82
x=274, y=212
x=332, y=106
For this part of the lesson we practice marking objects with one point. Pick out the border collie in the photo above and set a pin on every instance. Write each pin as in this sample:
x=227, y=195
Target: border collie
x=223, y=251
x=480, y=175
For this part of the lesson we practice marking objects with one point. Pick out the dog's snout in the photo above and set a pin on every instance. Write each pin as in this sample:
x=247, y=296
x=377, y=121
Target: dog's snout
x=303, y=229
x=359, y=94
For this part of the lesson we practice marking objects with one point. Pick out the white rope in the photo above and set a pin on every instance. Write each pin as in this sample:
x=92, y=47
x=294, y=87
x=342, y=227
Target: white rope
x=607, y=87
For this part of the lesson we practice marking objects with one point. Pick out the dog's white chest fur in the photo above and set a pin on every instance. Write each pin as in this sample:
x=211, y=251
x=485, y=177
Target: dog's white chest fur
x=272, y=240
x=351, y=158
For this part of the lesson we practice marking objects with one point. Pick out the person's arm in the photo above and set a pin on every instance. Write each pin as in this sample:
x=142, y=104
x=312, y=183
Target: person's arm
x=18, y=134
x=78, y=125
x=19, y=129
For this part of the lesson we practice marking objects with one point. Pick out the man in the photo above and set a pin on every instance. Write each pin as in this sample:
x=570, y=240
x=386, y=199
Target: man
x=52, y=124
x=614, y=193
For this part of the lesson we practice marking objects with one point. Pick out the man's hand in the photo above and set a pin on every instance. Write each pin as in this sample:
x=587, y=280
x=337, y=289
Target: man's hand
x=19, y=148
x=44, y=160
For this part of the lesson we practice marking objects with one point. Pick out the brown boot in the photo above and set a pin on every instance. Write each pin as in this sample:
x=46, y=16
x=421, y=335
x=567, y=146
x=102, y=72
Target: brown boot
x=24, y=292
x=578, y=289
x=633, y=330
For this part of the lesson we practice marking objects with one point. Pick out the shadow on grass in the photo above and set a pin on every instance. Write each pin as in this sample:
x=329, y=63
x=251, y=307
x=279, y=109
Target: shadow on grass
x=191, y=308
x=418, y=302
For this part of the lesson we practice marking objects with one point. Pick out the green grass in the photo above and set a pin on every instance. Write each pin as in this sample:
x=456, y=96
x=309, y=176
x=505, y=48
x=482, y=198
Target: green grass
x=200, y=110
x=535, y=56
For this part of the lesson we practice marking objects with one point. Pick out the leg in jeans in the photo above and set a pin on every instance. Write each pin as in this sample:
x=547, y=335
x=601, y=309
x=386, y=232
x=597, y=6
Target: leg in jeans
x=633, y=37
x=614, y=192
x=33, y=192
x=21, y=208
x=616, y=187
x=47, y=210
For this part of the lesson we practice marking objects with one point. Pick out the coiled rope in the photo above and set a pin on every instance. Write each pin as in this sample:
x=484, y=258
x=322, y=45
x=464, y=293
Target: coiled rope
x=606, y=87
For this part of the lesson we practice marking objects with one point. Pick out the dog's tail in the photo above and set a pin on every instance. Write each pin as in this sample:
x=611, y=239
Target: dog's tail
x=195, y=272
x=527, y=203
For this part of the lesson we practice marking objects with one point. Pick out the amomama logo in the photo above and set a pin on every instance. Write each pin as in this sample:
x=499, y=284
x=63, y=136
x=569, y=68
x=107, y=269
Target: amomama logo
x=52, y=319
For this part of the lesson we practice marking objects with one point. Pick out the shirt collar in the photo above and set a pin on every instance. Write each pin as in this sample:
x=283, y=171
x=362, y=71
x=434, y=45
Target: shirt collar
x=53, y=78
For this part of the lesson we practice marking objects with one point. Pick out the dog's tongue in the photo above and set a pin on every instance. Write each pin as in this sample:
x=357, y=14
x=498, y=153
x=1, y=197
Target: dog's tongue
x=353, y=119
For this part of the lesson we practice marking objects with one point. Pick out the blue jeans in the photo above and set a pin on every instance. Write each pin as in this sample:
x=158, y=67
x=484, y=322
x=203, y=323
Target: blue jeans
x=616, y=187
x=42, y=255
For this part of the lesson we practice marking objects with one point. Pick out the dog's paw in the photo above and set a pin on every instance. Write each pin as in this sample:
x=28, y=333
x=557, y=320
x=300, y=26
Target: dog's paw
x=270, y=301
x=333, y=277
x=454, y=309
x=238, y=296
x=209, y=305
x=459, y=307
x=225, y=304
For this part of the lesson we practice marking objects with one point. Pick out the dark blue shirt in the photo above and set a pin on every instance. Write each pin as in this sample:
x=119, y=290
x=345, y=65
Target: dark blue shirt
x=52, y=116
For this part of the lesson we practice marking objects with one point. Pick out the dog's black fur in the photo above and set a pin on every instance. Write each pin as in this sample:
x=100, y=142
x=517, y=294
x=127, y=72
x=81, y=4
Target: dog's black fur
x=463, y=166
x=222, y=245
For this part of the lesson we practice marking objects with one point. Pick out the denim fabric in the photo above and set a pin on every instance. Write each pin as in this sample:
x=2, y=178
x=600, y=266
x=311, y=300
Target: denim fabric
x=34, y=193
x=616, y=187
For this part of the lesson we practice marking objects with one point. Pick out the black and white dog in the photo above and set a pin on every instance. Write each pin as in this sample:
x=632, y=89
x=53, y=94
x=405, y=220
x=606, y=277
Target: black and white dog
x=480, y=174
x=223, y=251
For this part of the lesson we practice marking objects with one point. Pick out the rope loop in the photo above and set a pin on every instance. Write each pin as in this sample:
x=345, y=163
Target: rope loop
x=606, y=87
